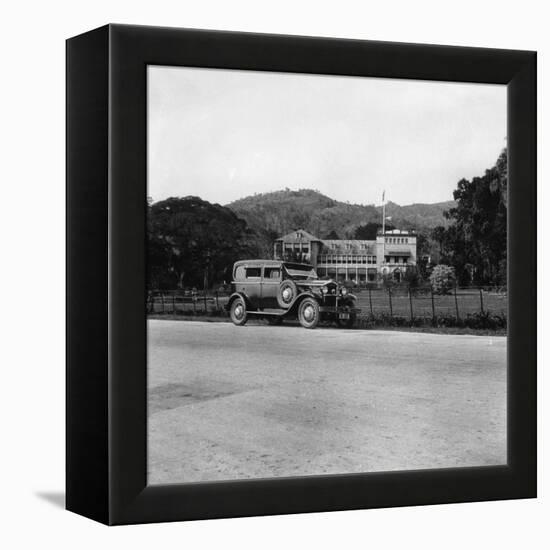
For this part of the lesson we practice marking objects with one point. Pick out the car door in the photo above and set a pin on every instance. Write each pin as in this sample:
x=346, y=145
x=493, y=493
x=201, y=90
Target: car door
x=270, y=285
x=251, y=285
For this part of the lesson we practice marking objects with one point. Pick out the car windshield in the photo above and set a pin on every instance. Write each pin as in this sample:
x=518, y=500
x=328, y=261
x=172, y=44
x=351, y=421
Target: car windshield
x=301, y=271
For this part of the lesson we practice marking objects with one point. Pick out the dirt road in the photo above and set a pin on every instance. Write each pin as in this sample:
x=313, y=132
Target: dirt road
x=230, y=402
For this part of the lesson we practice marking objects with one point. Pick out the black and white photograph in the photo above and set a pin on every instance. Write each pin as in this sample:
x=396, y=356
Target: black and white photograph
x=326, y=274
x=274, y=275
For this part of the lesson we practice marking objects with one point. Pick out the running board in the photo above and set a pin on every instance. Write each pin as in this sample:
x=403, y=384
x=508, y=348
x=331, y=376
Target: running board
x=268, y=313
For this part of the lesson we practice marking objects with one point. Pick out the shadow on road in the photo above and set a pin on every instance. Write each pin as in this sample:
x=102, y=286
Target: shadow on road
x=55, y=498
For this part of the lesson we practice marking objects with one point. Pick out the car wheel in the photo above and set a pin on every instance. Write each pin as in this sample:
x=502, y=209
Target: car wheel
x=286, y=293
x=275, y=321
x=237, y=312
x=308, y=313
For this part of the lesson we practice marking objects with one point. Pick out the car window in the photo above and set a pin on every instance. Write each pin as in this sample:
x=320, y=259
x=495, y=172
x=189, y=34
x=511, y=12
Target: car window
x=272, y=273
x=239, y=273
x=297, y=271
x=253, y=272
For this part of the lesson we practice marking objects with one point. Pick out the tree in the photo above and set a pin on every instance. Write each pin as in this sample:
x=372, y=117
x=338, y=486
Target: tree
x=332, y=236
x=475, y=243
x=411, y=277
x=387, y=280
x=194, y=243
x=439, y=236
x=442, y=279
x=369, y=231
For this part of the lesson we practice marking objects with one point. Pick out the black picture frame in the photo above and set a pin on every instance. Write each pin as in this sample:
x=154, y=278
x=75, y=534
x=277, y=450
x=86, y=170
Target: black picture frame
x=106, y=322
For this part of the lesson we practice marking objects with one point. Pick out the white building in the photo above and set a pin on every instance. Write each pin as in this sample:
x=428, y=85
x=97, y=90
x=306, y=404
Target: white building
x=361, y=261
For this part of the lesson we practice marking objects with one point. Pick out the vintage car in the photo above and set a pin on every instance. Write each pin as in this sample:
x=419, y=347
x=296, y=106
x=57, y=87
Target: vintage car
x=277, y=290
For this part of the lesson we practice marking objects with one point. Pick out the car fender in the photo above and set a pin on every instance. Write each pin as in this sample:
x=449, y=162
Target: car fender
x=236, y=295
x=307, y=294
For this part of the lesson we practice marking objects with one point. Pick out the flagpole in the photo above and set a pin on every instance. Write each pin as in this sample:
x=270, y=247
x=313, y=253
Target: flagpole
x=383, y=226
x=384, y=218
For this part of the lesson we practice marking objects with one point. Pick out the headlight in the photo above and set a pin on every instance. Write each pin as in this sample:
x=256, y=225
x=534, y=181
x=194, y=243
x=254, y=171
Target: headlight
x=324, y=290
x=344, y=291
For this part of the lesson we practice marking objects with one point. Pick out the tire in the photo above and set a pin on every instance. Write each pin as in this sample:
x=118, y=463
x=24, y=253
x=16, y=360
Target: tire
x=274, y=321
x=308, y=313
x=286, y=293
x=237, y=312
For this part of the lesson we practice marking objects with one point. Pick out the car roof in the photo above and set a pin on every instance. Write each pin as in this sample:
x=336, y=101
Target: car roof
x=270, y=263
x=294, y=265
x=255, y=263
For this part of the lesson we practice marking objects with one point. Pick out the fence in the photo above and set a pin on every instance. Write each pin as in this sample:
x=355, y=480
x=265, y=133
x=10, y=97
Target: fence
x=414, y=303
x=394, y=303
x=186, y=302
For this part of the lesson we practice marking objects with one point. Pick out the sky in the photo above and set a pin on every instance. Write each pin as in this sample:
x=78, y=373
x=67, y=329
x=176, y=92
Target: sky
x=226, y=134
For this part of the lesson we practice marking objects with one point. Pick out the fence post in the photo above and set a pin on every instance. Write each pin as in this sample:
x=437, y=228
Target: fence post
x=205, y=306
x=391, y=308
x=481, y=299
x=217, y=302
x=370, y=302
x=162, y=300
x=194, y=298
x=174, y=302
x=456, y=306
x=433, y=305
x=411, y=304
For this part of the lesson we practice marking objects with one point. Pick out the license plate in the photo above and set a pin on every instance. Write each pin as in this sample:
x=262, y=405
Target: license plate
x=344, y=316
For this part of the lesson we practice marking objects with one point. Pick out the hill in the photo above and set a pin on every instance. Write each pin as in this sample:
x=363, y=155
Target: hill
x=419, y=216
x=274, y=214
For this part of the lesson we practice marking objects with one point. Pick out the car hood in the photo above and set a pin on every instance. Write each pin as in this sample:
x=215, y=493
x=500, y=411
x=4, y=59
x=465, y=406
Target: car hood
x=316, y=283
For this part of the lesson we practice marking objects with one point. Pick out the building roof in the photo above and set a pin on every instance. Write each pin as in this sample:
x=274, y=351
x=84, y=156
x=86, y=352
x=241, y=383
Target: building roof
x=398, y=232
x=298, y=236
x=348, y=246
